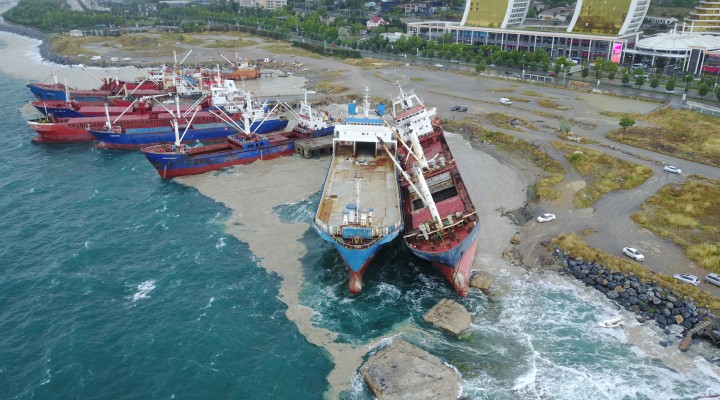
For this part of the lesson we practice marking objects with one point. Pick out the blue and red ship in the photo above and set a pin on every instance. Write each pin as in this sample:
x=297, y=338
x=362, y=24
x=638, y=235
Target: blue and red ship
x=171, y=160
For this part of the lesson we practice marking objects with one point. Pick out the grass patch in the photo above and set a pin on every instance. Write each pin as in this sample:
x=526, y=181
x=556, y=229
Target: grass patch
x=371, y=63
x=503, y=121
x=416, y=79
x=284, y=48
x=330, y=87
x=547, y=103
x=602, y=172
x=230, y=44
x=545, y=187
x=571, y=244
x=533, y=93
x=181, y=38
x=72, y=46
x=501, y=90
x=687, y=213
x=680, y=133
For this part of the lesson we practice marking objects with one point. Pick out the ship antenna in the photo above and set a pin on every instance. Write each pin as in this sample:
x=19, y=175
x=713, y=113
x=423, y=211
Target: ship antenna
x=357, y=178
x=367, y=102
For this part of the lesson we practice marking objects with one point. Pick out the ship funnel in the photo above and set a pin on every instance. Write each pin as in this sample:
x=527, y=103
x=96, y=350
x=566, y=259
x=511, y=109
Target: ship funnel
x=381, y=109
x=352, y=108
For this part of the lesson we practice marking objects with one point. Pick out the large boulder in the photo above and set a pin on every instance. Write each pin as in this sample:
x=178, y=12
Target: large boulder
x=482, y=280
x=450, y=316
x=404, y=371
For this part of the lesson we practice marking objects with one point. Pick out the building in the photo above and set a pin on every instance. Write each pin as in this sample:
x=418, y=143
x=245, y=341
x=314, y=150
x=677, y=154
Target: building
x=272, y=4
x=692, y=52
x=669, y=21
x=705, y=18
x=587, y=30
x=374, y=22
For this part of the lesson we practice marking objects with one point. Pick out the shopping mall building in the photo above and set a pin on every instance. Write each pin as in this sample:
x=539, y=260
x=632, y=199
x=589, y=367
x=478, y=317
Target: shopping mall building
x=590, y=29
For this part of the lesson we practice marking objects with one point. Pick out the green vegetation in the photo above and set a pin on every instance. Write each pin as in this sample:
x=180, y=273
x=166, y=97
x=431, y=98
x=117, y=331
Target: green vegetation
x=602, y=172
x=231, y=44
x=571, y=244
x=687, y=213
x=680, y=133
x=626, y=122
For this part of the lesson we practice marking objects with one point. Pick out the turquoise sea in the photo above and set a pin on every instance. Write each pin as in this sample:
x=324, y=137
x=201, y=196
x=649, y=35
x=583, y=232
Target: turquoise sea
x=115, y=284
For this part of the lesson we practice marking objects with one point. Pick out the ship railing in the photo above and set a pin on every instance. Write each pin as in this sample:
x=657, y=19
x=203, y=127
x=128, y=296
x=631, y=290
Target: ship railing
x=337, y=230
x=461, y=222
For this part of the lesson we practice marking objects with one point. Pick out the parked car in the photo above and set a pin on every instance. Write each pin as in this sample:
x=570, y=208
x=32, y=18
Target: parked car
x=454, y=108
x=505, y=100
x=546, y=218
x=713, y=278
x=633, y=253
x=673, y=169
x=687, y=278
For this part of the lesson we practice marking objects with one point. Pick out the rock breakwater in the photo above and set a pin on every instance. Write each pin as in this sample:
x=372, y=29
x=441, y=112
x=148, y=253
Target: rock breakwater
x=646, y=299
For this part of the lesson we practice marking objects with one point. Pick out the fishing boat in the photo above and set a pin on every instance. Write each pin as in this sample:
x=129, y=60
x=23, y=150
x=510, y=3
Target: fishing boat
x=441, y=223
x=612, y=322
x=359, y=209
x=244, y=147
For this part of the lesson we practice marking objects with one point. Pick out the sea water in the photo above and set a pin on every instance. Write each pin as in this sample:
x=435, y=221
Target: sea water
x=117, y=284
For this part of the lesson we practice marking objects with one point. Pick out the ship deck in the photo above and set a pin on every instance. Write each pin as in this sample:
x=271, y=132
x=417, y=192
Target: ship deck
x=378, y=189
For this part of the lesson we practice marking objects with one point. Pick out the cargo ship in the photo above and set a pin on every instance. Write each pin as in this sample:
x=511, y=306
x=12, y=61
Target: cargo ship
x=441, y=223
x=359, y=210
x=109, y=88
x=215, y=128
x=74, y=130
x=73, y=109
x=171, y=160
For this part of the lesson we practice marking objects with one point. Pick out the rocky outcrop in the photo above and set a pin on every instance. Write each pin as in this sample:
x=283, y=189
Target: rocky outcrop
x=648, y=300
x=482, y=280
x=450, y=316
x=404, y=371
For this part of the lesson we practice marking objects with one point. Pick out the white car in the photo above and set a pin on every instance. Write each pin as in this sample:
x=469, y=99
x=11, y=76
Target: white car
x=673, y=169
x=713, y=278
x=633, y=253
x=546, y=218
x=687, y=278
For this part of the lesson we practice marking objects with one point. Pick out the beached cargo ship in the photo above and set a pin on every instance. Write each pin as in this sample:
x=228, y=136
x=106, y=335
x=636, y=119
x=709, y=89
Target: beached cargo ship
x=359, y=209
x=441, y=223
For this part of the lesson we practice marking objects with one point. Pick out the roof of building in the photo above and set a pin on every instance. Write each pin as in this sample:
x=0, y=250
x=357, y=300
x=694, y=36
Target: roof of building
x=670, y=41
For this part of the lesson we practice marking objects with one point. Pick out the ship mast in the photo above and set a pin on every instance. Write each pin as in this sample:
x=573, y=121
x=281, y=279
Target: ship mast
x=423, y=191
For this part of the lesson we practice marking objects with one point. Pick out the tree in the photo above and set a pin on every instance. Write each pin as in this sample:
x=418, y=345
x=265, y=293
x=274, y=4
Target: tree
x=703, y=90
x=639, y=80
x=480, y=66
x=670, y=85
x=654, y=82
x=626, y=122
x=717, y=93
x=585, y=72
x=565, y=126
x=625, y=79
